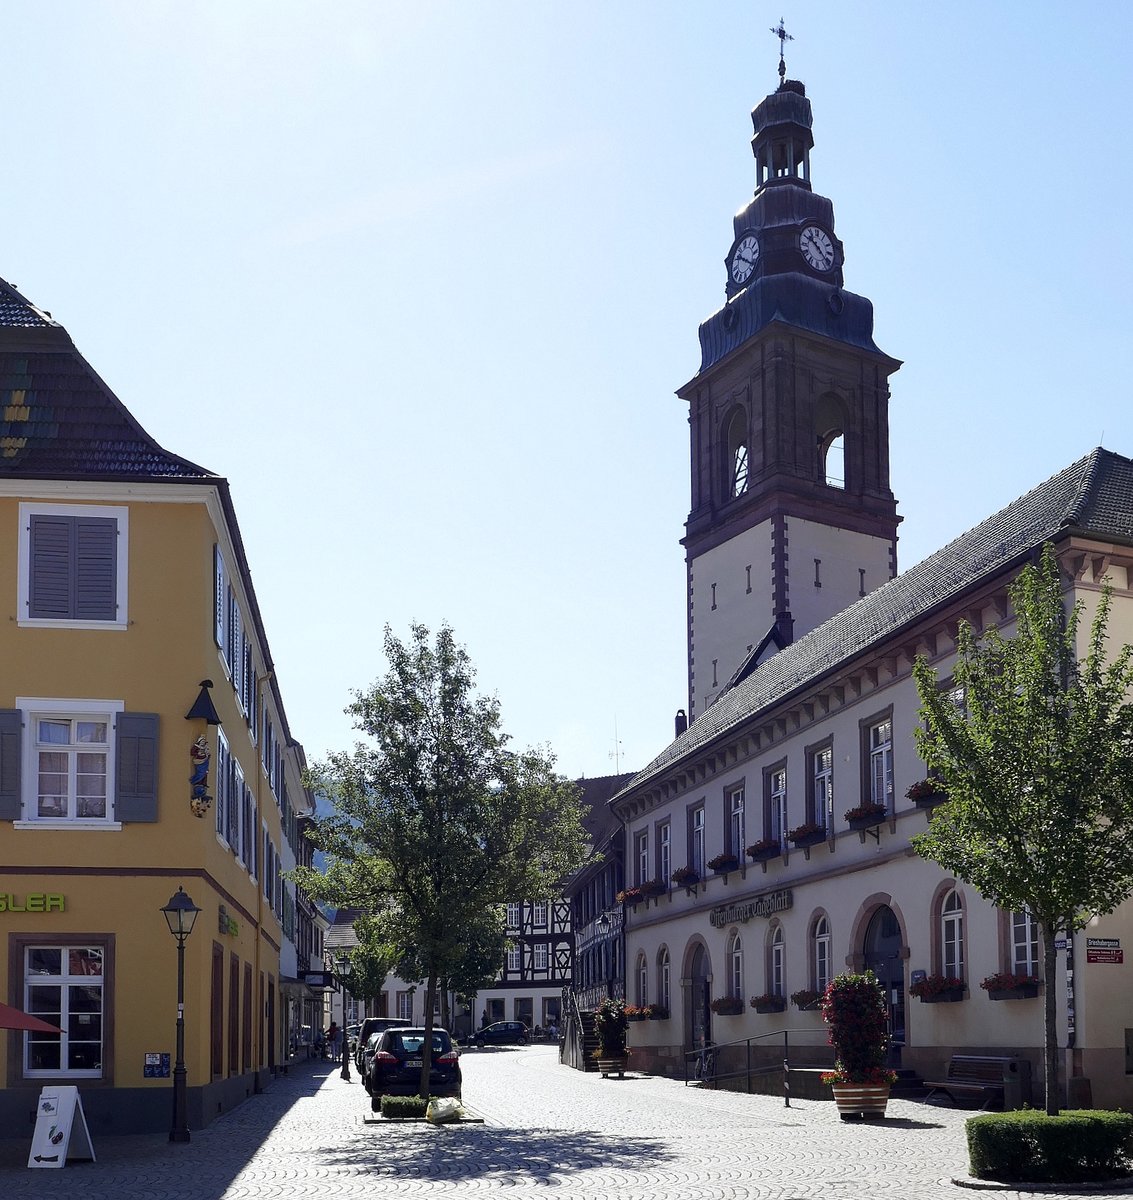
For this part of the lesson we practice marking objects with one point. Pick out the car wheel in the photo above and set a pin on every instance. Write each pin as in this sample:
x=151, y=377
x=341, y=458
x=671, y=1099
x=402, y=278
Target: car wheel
x=375, y=1103
x=523, y=1039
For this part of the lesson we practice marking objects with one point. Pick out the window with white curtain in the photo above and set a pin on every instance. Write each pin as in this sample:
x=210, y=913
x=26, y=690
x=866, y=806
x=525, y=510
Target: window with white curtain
x=952, y=936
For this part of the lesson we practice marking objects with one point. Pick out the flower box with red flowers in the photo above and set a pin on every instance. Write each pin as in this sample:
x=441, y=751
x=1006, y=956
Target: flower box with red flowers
x=636, y=1012
x=727, y=1006
x=805, y=999
x=686, y=877
x=865, y=816
x=629, y=895
x=926, y=793
x=937, y=989
x=768, y=1003
x=658, y=1012
x=653, y=887
x=809, y=834
x=723, y=863
x=764, y=850
x=1004, y=985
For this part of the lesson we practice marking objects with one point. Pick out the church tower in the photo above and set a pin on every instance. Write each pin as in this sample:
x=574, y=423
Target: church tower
x=792, y=517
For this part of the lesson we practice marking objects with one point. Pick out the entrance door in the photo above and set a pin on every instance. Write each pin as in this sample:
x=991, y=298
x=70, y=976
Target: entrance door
x=883, y=957
x=700, y=1015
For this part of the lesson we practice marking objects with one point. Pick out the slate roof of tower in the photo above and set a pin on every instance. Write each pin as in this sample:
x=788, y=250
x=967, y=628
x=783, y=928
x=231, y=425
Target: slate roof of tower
x=58, y=419
x=1093, y=496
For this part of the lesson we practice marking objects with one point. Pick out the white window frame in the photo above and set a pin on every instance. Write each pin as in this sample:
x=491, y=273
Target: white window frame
x=665, y=850
x=1024, y=944
x=881, y=763
x=821, y=949
x=952, y=935
x=777, y=805
x=641, y=855
x=539, y=956
x=513, y=916
x=514, y=959
x=32, y=707
x=735, y=966
x=822, y=784
x=696, y=840
x=405, y=1006
x=539, y=914
x=642, y=974
x=65, y=981
x=115, y=512
x=737, y=841
x=777, y=958
x=663, y=977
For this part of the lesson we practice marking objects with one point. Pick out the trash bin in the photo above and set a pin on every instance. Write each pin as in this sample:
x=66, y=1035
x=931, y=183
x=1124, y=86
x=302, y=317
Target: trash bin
x=1016, y=1083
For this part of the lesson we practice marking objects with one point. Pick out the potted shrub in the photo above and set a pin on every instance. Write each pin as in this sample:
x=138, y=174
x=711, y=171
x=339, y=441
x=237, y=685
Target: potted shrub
x=769, y=1002
x=658, y=1012
x=686, y=877
x=807, y=834
x=636, y=1012
x=805, y=998
x=764, y=850
x=926, y=793
x=723, y=863
x=1004, y=985
x=937, y=989
x=727, y=1006
x=865, y=816
x=853, y=1006
x=612, y=1027
x=629, y=895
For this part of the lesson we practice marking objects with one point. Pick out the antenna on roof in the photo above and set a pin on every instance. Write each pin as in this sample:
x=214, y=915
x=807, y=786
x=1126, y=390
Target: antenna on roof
x=616, y=753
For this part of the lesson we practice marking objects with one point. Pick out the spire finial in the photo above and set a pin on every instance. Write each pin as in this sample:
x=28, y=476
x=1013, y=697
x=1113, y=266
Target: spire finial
x=784, y=37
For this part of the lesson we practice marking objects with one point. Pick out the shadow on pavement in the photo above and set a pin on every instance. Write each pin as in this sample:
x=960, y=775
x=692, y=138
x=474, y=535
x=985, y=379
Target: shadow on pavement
x=490, y=1152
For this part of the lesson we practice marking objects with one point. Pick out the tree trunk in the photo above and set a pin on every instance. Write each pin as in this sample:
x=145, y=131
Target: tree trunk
x=427, y=1047
x=446, y=1022
x=1050, y=1019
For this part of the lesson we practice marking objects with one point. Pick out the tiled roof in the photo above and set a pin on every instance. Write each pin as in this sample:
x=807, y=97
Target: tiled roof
x=1093, y=496
x=57, y=417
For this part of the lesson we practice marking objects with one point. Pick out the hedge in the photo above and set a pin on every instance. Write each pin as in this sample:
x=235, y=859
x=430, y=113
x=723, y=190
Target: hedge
x=1077, y=1146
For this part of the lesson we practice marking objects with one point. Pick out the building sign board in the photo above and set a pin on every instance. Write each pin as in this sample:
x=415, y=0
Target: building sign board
x=765, y=904
x=1104, y=950
x=32, y=902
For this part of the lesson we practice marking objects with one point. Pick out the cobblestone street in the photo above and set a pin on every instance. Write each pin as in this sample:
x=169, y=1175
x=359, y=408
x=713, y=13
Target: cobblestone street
x=548, y=1132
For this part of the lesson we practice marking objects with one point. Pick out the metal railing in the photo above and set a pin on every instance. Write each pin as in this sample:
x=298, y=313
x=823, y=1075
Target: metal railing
x=701, y=1066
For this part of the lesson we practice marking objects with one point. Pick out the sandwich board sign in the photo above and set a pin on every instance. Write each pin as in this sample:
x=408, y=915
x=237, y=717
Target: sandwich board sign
x=58, y=1117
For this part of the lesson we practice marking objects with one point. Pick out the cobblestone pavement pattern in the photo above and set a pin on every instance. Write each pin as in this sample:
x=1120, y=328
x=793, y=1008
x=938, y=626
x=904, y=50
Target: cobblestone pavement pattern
x=548, y=1132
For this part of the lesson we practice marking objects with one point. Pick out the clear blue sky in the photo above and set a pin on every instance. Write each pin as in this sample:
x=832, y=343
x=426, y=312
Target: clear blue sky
x=421, y=278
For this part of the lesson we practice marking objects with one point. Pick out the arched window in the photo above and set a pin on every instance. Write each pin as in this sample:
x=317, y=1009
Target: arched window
x=952, y=936
x=820, y=954
x=829, y=436
x=737, y=464
x=663, y=974
x=642, y=976
x=735, y=966
x=775, y=963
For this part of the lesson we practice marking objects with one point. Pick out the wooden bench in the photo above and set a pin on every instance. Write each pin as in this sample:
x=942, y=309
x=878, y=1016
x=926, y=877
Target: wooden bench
x=972, y=1075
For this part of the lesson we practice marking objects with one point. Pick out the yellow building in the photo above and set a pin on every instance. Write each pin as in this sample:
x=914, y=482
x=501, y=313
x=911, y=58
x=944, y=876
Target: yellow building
x=125, y=586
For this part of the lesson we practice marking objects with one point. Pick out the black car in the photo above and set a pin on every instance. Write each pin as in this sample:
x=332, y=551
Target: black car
x=372, y=1025
x=395, y=1069
x=501, y=1032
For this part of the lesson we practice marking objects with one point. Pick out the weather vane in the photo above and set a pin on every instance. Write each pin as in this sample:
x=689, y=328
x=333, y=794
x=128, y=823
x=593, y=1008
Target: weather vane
x=784, y=37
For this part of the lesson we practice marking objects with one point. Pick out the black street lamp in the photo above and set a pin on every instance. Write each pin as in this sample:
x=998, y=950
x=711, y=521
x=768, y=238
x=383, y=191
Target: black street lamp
x=344, y=974
x=180, y=915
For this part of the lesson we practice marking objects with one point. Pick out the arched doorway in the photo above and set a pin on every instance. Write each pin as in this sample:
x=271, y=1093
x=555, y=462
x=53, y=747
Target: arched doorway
x=883, y=954
x=699, y=1014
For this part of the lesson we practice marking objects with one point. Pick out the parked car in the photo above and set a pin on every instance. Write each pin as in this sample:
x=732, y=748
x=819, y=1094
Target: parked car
x=395, y=1069
x=371, y=1025
x=501, y=1032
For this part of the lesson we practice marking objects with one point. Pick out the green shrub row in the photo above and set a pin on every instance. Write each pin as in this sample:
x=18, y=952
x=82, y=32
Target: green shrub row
x=403, y=1106
x=1028, y=1146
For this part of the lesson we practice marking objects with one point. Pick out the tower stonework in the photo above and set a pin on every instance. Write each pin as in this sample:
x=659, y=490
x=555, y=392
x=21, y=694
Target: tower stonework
x=792, y=518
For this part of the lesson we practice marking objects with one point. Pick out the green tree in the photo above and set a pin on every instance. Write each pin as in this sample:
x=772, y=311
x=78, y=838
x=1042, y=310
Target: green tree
x=1035, y=750
x=437, y=822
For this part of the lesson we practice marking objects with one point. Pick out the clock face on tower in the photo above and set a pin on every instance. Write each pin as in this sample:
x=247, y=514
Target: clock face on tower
x=817, y=248
x=744, y=257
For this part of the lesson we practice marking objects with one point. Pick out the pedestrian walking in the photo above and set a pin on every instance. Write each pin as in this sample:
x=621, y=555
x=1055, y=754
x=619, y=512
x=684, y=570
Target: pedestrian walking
x=334, y=1036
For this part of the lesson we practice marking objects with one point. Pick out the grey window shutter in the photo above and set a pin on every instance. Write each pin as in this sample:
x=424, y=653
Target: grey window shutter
x=135, y=792
x=11, y=722
x=74, y=568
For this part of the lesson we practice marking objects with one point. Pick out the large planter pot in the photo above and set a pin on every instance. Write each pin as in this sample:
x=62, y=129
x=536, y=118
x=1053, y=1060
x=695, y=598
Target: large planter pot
x=766, y=854
x=861, y=1101
x=771, y=1006
x=931, y=800
x=860, y=823
x=612, y=1066
x=636, y=1016
x=809, y=839
x=1028, y=991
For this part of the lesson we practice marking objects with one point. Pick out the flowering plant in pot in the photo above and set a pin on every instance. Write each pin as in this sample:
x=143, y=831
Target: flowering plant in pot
x=768, y=1002
x=806, y=834
x=727, y=1006
x=653, y=887
x=724, y=862
x=854, y=1008
x=686, y=877
x=865, y=814
x=926, y=792
x=612, y=1027
x=629, y=895
x=637, y=1012
x=764, y=849
x=805, y=998
x=934, y=987
x=658, y=1012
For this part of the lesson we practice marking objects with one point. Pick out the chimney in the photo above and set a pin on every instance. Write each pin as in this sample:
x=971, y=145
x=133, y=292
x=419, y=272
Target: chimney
x=680, y=722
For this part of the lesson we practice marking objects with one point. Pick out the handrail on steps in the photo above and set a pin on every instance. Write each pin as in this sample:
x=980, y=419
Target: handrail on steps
x=702, y=1063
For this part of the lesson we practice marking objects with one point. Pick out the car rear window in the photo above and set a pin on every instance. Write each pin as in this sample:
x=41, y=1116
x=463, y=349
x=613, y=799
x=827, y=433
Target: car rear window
x=412, y=1043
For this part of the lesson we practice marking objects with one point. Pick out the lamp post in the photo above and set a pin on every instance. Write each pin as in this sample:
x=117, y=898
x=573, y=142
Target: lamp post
x=345, y=976
x=180, y=915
